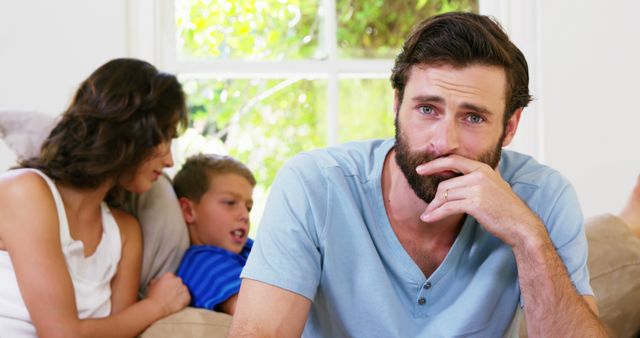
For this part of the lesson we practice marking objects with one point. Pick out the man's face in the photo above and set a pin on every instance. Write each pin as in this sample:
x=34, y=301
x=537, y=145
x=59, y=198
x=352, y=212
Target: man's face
x=447, y=110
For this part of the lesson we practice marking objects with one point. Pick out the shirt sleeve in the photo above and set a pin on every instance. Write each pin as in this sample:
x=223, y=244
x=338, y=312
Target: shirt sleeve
x=212, y=275
x=286, y=252
x=554, y=200
x=565, y=224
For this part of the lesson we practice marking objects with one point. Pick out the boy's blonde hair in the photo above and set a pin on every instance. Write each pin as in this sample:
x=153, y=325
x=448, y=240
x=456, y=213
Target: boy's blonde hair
x=193, y=179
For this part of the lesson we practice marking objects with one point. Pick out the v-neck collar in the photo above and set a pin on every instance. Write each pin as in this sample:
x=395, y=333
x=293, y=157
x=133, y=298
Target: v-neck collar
x=385, y=230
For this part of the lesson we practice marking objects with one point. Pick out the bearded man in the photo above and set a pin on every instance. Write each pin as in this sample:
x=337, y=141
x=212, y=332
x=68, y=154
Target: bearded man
x=436, y=233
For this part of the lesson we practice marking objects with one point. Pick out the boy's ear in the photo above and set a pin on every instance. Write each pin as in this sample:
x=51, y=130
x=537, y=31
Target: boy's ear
x=188, y=210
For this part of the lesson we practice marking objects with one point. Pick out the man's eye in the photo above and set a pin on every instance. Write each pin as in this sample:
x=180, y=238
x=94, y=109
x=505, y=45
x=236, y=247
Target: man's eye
x=475, y=119
x=426, y=110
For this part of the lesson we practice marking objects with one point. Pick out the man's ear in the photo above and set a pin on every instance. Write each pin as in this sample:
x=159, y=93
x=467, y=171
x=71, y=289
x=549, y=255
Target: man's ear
x=188, y=210
x=512, y=126
x=396, y=102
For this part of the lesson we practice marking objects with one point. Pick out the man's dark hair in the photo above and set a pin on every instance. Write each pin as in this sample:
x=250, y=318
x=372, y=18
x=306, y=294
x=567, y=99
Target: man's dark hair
x=195, y=176
x=117, y=118
x=461, y=40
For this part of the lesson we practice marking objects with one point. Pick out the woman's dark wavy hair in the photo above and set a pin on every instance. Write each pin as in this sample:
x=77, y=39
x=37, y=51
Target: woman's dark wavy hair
x=461, y=40
x=116, y=119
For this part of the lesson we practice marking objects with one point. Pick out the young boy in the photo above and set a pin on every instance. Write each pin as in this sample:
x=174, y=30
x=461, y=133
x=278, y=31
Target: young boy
x=215, y=197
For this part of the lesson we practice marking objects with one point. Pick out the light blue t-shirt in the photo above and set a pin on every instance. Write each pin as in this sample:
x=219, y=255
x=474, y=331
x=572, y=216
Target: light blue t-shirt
x=325, y=235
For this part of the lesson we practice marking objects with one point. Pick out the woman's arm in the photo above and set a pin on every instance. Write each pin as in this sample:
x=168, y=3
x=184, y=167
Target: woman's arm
x=124, y=286
x=33, y=242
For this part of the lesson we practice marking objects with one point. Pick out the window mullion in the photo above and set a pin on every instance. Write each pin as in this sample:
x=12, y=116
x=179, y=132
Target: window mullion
x=165, y=26
x=331, y=45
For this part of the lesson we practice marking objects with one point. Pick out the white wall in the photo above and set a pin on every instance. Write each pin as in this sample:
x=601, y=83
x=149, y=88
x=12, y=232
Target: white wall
x=590, y=59
x=48, y=47
x=585, y=57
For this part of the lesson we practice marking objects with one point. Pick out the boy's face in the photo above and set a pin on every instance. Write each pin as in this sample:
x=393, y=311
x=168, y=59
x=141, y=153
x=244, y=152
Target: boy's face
x=221, y=217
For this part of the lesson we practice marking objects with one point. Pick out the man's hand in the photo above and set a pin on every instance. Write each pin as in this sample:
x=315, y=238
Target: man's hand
x=545, y=284
x=482, y=193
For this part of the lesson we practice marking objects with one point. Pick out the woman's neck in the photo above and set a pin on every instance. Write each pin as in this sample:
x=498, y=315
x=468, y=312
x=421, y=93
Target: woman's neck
x=82, y=203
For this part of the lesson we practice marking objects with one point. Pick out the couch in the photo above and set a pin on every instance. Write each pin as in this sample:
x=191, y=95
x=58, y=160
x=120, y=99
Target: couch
x=614, y=253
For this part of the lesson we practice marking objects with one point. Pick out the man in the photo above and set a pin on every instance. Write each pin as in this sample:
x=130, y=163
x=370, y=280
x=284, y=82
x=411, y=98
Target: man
x=437, y=233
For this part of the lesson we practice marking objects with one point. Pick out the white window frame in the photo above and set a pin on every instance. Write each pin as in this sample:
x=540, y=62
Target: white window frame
x=152, y=37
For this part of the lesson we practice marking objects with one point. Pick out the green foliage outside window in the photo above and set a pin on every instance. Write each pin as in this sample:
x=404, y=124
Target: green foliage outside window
x=377, y=28
x=261, y=122
x=248, y=29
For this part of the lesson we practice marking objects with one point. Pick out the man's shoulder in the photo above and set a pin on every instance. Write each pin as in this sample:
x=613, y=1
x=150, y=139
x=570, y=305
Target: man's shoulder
x=543, y=188
x=358, y=158
x=521, y=169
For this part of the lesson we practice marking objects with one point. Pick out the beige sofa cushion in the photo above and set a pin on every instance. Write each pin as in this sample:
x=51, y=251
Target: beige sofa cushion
x=165, y=237
x=614, y=266
x=190, y=323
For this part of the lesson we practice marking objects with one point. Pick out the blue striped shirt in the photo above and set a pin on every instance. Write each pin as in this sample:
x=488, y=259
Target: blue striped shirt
x=212, y=274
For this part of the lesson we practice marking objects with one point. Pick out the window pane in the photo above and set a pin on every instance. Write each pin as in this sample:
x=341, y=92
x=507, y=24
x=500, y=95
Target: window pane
x=260, y=122
x=366, y=109
x=377, y=28
x=248, y=30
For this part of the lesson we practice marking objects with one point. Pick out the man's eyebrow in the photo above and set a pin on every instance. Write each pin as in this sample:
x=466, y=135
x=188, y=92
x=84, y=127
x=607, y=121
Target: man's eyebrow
x=477, y=108
x=427, y=98
x=465, y=105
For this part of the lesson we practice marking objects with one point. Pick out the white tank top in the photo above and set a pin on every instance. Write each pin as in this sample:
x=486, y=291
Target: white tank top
x=91, y=275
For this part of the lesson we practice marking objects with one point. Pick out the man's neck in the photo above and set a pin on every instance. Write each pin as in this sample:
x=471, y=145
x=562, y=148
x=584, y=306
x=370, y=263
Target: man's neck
x=426, y=243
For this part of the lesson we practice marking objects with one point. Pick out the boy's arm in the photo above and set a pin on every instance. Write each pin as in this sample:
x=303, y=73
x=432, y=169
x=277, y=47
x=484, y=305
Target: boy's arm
x=229, y=305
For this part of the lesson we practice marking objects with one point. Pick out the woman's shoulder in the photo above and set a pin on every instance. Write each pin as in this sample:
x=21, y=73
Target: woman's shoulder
x=23, y=184
x=26, y=204
x=127, y=223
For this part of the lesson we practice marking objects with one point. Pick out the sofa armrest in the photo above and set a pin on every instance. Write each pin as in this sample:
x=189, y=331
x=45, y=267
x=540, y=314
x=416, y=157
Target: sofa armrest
x=190, y=323
x=614, y=266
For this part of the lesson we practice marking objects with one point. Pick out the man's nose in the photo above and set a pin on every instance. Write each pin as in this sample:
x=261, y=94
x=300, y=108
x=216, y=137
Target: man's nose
x=447, y=138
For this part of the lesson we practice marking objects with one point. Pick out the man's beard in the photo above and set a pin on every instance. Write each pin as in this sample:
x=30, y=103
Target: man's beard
x=426, y=186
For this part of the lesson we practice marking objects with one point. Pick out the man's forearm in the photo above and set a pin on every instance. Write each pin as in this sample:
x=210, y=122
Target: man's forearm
x=552, y=307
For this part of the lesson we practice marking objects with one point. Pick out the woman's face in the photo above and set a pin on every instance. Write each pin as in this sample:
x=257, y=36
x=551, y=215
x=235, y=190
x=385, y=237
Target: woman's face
x=150, y=170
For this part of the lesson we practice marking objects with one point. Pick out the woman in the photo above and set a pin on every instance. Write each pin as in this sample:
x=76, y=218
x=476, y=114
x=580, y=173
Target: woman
x=69, y=258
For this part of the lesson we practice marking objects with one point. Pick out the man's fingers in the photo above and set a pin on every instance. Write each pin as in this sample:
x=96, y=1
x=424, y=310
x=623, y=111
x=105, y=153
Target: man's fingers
x=455, y=186
x=443, y=211
x=454, y=163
